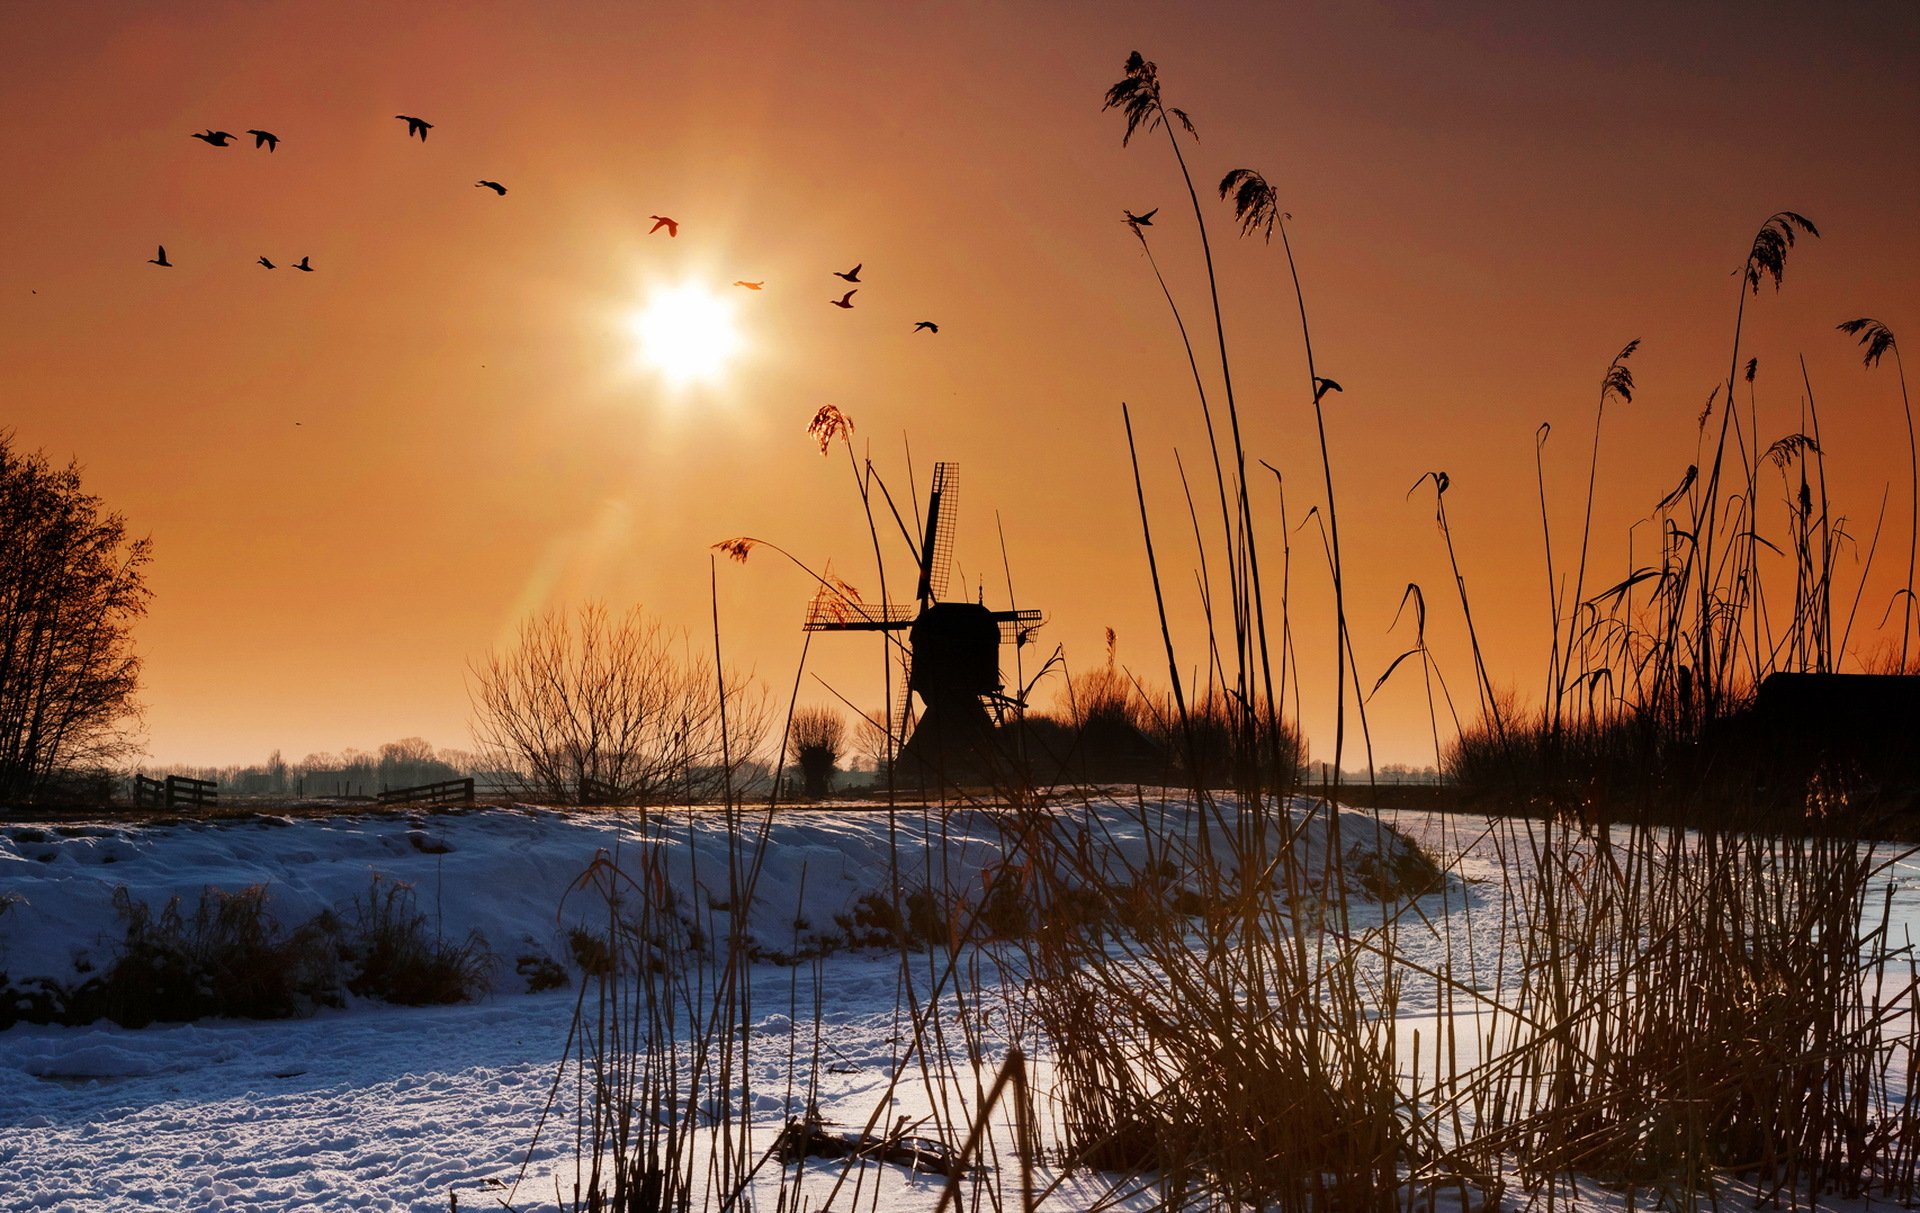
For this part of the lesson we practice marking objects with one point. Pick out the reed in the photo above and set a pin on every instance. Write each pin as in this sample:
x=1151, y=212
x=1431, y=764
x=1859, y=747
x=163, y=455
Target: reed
x=1220, y=1035
x=1684, y=1008
x=1205, y=997
x=1876, y=340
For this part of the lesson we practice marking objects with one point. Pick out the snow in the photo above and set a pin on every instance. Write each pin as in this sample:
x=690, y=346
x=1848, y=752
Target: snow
x=380, y=1107
x=506, y=873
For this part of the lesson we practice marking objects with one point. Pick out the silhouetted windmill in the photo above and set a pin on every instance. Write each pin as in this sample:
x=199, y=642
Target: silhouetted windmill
x=953, y=648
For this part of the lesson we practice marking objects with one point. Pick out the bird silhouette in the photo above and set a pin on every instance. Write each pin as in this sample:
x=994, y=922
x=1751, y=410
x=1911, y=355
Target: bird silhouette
x=852, y=275
x=216, y=138
x=752, y=286
x=928, y=325
x=265, y=262
x=1145, y=220
x=415, y=126
x=161, y=259
x=303, y=266
x=266, y=139
x=845, y=300
x=660, y=221
x=1322, y=386
x=495, y=186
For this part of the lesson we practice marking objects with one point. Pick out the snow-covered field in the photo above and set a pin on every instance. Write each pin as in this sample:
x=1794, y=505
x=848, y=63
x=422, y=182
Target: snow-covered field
x=380, y=1107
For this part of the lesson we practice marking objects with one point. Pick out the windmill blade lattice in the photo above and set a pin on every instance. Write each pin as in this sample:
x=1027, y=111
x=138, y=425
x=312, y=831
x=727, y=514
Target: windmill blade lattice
x=1018, y=627
x=936, y=551
x=830, y=611
x=900, y=718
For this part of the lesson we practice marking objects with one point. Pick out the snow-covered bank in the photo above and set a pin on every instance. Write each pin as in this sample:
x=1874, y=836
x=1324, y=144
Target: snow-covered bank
x=395, y=1108
x=506, y=873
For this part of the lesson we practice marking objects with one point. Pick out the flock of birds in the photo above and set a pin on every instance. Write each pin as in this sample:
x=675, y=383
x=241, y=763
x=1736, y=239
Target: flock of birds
x=420, y=126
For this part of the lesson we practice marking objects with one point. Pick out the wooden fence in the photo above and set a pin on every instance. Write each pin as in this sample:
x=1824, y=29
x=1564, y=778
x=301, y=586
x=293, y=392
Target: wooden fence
x=447, y=791
x=592, y=791
x=174, y=791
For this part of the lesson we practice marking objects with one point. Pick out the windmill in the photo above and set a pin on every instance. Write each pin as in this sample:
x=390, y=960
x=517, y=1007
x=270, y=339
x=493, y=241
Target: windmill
x=953, y=648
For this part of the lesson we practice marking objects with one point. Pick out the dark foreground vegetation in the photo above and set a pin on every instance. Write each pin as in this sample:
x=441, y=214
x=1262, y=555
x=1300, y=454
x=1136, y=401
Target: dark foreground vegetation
x=230, y=955
x=1240, y=1020
x=1704, y=686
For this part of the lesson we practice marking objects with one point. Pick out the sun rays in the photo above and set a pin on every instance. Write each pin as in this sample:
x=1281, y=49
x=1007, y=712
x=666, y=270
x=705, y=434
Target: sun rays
x=687, y=334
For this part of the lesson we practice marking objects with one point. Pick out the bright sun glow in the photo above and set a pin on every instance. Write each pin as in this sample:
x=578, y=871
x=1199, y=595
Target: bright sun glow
x=687, y=333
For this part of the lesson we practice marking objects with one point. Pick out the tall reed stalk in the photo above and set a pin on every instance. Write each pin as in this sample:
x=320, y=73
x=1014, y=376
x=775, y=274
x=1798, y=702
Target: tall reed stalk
x=1137, y=94
x=1616, y=384
x=1687, y=1007
x=1766, y=259
x=1875, y=340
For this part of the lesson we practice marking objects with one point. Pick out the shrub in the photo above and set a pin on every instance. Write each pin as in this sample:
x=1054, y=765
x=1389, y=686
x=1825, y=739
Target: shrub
x=921, y=919
x=392, y=955
x=231, y=958
x=541, y=973
x=590, y=952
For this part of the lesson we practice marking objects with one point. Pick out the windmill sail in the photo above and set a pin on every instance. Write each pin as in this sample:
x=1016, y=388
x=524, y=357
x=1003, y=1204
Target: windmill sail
x=1018, y=627
x=936, y=550
x=832, y=611
x=902, y=700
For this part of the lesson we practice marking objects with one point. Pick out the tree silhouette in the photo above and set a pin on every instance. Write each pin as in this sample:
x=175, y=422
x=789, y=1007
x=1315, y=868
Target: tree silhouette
x=71, y=585
x=818, y=736
x=598, y=708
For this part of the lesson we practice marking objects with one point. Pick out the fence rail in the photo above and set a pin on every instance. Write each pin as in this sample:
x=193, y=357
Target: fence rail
x=592, y=791
x=174, y=791
x=447, y=791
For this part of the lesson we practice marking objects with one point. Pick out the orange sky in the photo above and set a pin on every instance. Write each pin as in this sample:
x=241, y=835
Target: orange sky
x=1489, y=201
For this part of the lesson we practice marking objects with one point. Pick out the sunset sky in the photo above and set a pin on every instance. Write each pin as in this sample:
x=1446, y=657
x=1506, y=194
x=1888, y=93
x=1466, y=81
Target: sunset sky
x=359, y=479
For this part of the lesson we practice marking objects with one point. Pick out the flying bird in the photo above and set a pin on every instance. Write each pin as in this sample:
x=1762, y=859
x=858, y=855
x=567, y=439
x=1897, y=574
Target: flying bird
x=415, y=126
x=1145, y=220
x=928, y=325
x=752, y=286
x=161, y=259
x=660, y=221
x=266, y=139
x=495, y=186
x=845, y=300
x=302, y=265
x=265, y=262
x=216, y=138
x=1322, y=386
x=852, y=275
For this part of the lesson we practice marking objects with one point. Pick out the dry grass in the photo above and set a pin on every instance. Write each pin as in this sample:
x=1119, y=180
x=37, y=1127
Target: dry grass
x=1223, y=1022
x=1223, y=1039
x=1689, y=1006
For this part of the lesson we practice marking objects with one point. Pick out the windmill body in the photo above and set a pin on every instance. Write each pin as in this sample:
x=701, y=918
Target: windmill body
x=953, y=654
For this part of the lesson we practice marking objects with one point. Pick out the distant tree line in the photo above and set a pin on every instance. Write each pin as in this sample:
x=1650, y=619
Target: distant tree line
x=406, y=763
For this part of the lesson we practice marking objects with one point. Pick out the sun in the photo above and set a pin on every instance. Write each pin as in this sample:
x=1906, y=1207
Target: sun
x=687, y=333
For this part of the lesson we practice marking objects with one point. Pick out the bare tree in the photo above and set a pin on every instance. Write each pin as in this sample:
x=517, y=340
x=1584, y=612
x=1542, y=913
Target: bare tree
x=71, y=585
x=590, y=708
x=872, y=741
x=818, y=735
